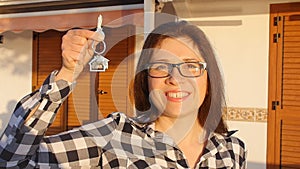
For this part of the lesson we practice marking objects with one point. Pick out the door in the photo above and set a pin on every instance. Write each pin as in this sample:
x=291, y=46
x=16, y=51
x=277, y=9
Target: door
x=284, y=87
x=87, y=100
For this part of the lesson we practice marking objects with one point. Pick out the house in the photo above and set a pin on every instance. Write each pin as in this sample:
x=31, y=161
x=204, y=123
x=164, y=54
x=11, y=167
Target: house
x=240, y=32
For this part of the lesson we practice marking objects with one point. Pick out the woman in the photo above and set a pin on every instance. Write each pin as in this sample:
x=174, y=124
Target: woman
x=179, y=97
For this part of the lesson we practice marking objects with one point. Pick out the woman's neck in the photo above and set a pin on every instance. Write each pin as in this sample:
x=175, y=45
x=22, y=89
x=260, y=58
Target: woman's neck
x=180, y=128
x=186, y=134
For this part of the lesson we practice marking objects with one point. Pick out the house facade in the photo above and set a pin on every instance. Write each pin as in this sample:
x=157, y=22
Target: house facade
x=238, y=30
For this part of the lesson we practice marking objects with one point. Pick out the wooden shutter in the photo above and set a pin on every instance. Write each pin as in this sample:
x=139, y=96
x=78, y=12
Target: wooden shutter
x=290, y=92
x=284, y=87
x=46, y=58
x=115, y=96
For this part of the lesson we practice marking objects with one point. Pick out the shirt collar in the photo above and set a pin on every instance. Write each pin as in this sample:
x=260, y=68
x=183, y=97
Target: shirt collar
x=158, y=136
x=215, y=142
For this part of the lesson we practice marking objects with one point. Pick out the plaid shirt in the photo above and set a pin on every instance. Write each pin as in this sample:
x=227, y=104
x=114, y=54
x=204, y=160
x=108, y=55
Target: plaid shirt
x=114, y=142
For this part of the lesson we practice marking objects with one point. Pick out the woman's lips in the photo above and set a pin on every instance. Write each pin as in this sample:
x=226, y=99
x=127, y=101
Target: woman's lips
x=177, y=95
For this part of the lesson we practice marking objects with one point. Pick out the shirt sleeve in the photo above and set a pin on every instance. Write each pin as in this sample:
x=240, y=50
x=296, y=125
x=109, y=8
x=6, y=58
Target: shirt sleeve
x=78, y=148
x=22, y=137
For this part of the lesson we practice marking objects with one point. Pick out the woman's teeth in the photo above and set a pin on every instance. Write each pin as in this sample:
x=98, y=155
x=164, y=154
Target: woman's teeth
x=177, y=94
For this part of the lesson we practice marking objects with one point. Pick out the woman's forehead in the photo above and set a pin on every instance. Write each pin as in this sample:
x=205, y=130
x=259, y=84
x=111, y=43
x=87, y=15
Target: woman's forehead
x=177, y=48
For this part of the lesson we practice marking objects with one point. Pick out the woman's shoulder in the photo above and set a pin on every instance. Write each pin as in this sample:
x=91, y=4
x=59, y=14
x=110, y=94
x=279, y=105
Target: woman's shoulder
x=227, y=149
x=109, y=123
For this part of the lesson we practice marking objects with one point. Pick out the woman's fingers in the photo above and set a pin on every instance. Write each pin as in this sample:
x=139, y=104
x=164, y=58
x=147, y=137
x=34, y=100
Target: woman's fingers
x=87, y=34
x=79, y=41
x=77, y=50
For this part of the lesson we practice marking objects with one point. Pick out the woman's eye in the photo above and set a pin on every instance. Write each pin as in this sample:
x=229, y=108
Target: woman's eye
x=160, y=67
x=192, y=65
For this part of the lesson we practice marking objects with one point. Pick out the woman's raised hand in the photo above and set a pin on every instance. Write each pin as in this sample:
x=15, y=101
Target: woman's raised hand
x=77, y=52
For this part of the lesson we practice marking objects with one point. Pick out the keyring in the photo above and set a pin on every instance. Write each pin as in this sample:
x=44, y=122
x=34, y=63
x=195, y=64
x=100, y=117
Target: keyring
x=94, y=48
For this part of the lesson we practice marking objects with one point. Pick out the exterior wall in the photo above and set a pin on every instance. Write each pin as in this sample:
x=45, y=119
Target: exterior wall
x=15, y=72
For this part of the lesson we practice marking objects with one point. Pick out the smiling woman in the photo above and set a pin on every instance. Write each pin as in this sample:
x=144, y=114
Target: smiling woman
x=179, y=113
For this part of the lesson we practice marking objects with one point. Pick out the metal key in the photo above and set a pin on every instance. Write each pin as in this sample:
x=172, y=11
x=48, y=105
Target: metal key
x=99, y=63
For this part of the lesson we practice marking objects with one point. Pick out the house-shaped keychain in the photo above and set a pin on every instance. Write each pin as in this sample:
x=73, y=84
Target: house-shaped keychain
x=98, y=64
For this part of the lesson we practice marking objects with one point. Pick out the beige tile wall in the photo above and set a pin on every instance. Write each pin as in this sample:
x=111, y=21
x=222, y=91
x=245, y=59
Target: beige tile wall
x=246, y=114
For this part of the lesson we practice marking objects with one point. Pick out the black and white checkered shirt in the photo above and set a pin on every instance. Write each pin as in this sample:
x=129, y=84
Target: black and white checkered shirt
x=114, y=142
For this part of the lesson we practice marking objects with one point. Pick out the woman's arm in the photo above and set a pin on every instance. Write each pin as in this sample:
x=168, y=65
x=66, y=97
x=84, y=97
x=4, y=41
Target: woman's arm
x=78, y=148
x=34, y=114
x=22, y=137
x=23, y=143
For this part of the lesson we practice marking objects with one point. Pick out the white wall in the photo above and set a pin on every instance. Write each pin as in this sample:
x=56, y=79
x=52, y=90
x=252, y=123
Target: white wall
x=15, y=72
x=243, y=54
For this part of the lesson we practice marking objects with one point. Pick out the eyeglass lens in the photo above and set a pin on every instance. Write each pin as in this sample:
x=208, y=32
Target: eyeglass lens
x=186, y=69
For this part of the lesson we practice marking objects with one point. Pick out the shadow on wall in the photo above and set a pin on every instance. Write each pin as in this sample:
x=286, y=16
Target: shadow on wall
x=5, y=116
x=14, y=52
x=15, y=67
x=256, y=165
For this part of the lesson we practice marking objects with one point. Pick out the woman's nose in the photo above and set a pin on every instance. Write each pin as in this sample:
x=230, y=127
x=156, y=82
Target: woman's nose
x=175, y=77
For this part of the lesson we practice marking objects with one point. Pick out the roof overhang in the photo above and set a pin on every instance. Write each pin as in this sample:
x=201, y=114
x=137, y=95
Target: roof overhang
x=114, y=14
x=23, y=6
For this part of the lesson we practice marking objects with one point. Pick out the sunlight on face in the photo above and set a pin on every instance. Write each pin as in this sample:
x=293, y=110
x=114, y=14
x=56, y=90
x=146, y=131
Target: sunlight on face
x=177, y=95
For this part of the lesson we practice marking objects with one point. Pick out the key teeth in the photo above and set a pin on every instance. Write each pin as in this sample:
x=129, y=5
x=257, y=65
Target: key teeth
x=99, y=24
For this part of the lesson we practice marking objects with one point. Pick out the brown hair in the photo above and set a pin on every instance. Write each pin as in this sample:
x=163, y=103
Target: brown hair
x=210, y=112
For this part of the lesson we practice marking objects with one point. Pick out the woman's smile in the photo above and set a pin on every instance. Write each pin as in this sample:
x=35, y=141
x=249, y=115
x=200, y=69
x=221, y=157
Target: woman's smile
x=177, y=96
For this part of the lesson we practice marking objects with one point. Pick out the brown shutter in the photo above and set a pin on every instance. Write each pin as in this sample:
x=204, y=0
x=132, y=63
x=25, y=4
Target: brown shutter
x=290, y=93
x=291, y=61
x=120, y=45
x=47, y=57
x=284, y=87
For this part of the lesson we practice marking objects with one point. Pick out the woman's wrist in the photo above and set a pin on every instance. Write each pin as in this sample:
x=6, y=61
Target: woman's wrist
x=65, y=74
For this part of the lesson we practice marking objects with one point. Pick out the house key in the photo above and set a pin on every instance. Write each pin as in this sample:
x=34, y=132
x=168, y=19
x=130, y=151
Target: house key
x=99, y=63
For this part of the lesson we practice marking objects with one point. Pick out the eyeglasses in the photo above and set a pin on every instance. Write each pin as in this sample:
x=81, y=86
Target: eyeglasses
x=186, y=69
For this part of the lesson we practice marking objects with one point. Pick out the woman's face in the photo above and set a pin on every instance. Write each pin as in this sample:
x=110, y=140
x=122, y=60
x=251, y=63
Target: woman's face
x=177, y=95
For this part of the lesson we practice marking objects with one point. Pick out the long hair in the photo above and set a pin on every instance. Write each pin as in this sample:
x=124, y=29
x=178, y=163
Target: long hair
x=210, y=112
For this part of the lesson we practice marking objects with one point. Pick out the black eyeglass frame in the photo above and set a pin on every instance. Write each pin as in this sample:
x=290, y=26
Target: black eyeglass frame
x=177, y=65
